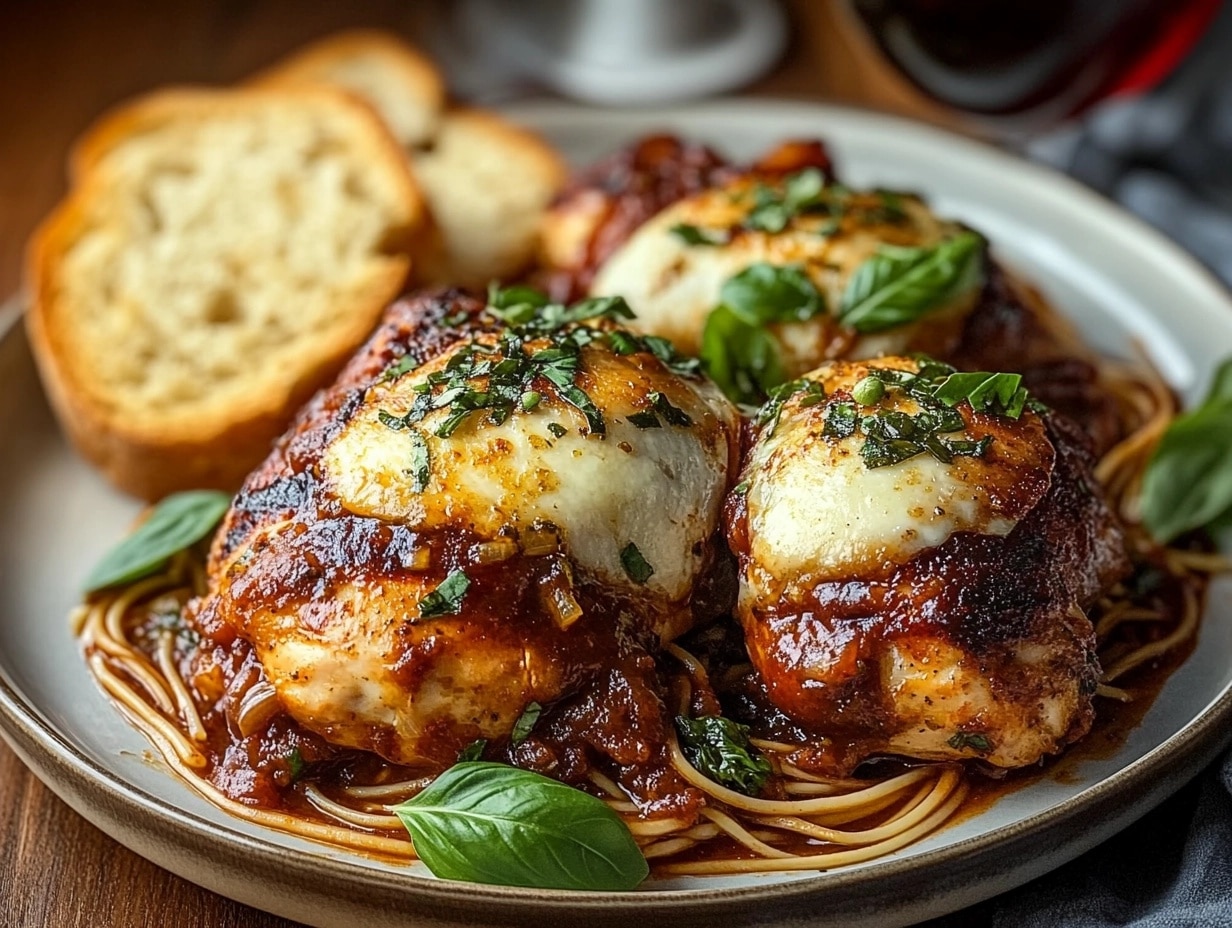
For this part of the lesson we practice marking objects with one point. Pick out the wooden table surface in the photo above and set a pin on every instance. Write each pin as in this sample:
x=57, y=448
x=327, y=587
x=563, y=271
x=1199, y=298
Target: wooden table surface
x=61, y=63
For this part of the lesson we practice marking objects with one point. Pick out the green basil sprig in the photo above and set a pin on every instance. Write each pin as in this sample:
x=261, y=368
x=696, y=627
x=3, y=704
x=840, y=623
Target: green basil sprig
x=766, y=293
x=740, y=356
x=490, y=823
x=720, y=748
x=1188, y=481
x=742, y=359
x=900, y=285
x=176, y=523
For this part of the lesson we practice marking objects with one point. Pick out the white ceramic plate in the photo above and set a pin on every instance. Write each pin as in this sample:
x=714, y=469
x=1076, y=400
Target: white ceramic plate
x=1116, y=278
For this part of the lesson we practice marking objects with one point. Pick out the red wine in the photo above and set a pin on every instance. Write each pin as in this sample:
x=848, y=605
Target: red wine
x=1034, y=60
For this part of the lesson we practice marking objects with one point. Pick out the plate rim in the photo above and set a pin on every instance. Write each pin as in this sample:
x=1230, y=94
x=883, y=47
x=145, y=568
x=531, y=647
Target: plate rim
x=1139, y=786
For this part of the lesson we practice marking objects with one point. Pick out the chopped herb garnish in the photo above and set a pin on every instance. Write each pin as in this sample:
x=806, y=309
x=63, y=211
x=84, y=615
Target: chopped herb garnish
x=447, y=598
x=645, y=419
x=900, y=285
x=623, y=343
x=420, y=468
x=892, y=436
x=473, y=751
x=673, y=414
x=803, y=192
x=557, y=429
x=868, y=392
x=404, y=365
x=962, y=448
x=692, y=235
x=636, y=566
x=720, y=748
x=390, y=421
x=772, y=409
x=542, y=345
x=525, y=723
x=840, y=421
x=666, y=352
x=295, y=764
x=970, y=741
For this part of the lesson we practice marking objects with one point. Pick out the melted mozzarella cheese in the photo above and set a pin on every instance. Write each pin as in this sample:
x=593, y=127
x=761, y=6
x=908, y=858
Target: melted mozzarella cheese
x=816, y=512
x=672, y=286
x=658, y=488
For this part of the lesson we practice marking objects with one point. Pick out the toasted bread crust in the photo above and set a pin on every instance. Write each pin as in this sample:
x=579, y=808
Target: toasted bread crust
x=486, y=180
x=327, y=61
x=203, y=444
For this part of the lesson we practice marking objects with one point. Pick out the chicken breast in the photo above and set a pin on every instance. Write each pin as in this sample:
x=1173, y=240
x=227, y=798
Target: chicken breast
x=474, y=518
x=914, y=569
x=673, y=268
x=666, y=223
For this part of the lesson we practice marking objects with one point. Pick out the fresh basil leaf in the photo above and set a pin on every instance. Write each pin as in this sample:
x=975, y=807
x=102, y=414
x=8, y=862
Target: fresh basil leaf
x=771, y=216
x=1220, y=390
x=803, y=189
x=635, y=565
x=473, y=751
x=720, y=748
x=526, y=722
x=491, y=823
x=557, y=429
x=447, y=598
x=743, y=360
x=900, y=285
x=1188, y=480
x=176, y=523
x=1000, y=394
x=766, y=293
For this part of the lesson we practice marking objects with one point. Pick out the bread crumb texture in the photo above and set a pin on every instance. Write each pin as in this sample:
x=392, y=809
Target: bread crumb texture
x=225, y=252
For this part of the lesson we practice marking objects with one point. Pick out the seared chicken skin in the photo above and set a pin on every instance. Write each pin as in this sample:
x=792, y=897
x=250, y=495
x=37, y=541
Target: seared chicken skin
x=419, y=559
x=913, y=573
